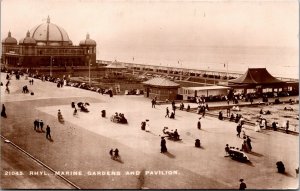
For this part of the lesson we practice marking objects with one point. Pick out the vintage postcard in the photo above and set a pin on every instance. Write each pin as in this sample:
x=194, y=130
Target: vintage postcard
x=150, y=94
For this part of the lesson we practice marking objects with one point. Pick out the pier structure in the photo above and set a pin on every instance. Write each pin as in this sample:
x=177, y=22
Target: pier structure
x=184, y=74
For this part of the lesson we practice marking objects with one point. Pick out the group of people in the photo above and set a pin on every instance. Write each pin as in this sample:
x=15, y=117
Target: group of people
x=145, y=126
x=172, y=135
x=25, y=89
x=202, y=108
x=268, y=112
x=235, y=153
x=153, y=102
x=60, y=83
x=120, y=117
x=114, y=154
x=40, y=124
x=31, y=82
x=172, y=116
x=237, y=118
x=246, y=145
x=239, y=129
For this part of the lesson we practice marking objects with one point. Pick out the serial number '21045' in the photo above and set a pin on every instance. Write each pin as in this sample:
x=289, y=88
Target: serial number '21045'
x=13, y=173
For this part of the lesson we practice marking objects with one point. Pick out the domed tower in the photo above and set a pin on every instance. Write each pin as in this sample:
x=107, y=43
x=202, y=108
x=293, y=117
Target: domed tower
x=27, y=41
x=89, y=46
x=50, y=34
x=10, y=50
x=9, y=40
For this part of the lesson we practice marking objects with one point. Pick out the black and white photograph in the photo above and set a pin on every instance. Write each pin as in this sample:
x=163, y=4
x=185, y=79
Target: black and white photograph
x=149, y=94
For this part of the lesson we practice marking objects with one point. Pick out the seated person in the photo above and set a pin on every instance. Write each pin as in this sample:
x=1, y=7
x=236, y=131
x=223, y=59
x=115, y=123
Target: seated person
x=261, y=111
x=172, y=116
x=75, y=111
x=188, y=108
x=236, y=108
x=175, y=134
x=220, y=115
x=197, y=143
x=231, y=117
x=268, y=112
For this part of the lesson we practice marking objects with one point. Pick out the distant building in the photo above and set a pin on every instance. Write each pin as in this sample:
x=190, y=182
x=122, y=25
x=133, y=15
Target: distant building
x=47, y=44
x=161, y=88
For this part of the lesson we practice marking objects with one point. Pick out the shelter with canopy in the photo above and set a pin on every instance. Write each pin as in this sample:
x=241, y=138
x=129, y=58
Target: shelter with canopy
x=257, y=80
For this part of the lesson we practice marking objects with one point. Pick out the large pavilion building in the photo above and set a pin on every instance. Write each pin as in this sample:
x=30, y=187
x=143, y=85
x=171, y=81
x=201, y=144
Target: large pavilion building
x=47, y=45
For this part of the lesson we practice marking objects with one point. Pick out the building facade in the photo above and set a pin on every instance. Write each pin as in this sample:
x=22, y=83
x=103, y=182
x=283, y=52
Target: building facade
x=160, y=88
x=47, y=45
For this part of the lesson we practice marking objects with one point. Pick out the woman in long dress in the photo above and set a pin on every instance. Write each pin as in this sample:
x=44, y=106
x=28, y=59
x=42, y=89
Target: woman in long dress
x=147, y=129
x=257, y=127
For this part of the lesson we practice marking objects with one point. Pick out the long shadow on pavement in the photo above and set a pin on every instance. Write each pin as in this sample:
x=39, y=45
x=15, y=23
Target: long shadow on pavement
x=170, y=155
x=256, y=154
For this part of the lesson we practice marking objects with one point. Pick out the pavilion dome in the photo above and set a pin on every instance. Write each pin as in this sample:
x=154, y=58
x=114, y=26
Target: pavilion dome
x=9, y=40
x=87, y=41
x=50, y=34
x=27, y=40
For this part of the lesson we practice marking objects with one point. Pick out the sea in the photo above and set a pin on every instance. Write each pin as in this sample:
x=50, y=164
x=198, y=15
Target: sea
x=279, y=61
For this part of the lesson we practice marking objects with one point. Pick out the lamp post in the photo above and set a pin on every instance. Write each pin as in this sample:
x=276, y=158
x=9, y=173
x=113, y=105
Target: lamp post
x=89, y=71
x=181, y=69
x=51, y=60
x=133, y=66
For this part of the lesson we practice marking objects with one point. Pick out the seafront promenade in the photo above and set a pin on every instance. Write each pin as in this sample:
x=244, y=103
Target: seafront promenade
x=82, y=144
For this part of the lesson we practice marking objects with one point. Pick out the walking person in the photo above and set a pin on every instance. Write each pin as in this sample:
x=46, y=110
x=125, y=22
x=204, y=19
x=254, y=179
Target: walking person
x=163, y=147
x=7, y=90
x=287, y=125
x=249, y=143
x=111, y=153
x=174, y=108
x=242, y=185
x=116, y=153
x=42, y=125
x=48, y=135
x=3, y=112
x=153, y=103
x=167, y=112
x=238, y=130
x=35, y=124
x=199, y=124
x=227, y=150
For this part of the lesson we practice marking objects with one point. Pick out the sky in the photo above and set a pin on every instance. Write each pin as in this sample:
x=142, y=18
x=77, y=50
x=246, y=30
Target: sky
x=128, y=27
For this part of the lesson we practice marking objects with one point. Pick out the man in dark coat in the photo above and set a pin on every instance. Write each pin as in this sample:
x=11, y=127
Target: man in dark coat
x=238, y=130
x=249, y=143
x=199, y=124
x=35, y=124
x=167, y=112
x=163, y=147
x=3, y=112
x=48, y=132
x=41, y=125
x=153, y=103
x=116, y=153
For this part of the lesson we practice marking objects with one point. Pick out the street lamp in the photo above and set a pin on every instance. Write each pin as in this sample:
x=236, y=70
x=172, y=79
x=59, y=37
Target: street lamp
x=51, y=60
x=181, y=70
x=90, y=71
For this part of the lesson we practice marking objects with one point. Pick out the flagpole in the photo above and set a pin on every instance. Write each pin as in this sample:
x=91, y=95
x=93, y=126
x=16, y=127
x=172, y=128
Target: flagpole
x=133, y=66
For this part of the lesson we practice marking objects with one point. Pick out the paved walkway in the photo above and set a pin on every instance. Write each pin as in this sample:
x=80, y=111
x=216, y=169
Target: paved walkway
x=82, y=143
